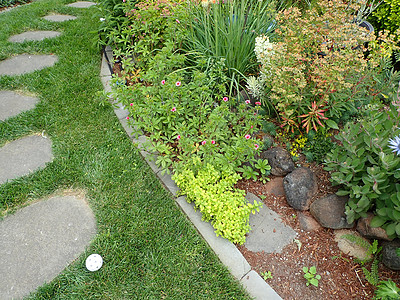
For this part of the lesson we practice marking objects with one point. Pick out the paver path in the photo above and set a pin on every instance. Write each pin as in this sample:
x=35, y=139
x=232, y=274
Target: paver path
x=23, y=156
x=59, y=18
x=33, y=36
x=12, y=103
x=81, y=4
x=26, y=63
x=40, y=240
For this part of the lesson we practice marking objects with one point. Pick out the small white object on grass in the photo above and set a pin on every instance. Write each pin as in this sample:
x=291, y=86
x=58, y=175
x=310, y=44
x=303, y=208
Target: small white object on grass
x=94, y=262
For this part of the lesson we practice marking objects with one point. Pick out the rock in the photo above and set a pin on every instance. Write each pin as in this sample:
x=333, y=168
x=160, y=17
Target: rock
x=307, y=222
x=245, y=95
x=275, y=187
x=280, y=161
x=389, y=255
x=354, y=245
x=329, y=211
x=300, y=186
x=364, y=228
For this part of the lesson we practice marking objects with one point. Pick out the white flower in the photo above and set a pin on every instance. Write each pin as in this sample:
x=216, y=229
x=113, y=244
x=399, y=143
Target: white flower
x=395, y=144
x=102, y=19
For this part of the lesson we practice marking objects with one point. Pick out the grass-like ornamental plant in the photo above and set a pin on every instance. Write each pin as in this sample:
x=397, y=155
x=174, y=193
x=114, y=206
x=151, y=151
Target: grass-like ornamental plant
x=317, y=70
x=227, y=29
x=367, y=168
x=214, y=195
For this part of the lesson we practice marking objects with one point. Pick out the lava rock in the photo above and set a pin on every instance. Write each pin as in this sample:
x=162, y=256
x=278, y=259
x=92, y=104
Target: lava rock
x=373, y=233
x=300, y=186
x=389, y=255
x=307, y=222
x=329, y=211
x=354, y=244
x=280, y=161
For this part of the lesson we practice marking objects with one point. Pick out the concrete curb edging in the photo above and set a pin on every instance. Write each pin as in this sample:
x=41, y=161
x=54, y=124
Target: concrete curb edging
x=227, y=252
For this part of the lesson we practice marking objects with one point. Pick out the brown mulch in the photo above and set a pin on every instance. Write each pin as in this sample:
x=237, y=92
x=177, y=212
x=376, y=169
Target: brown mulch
x=341, y=276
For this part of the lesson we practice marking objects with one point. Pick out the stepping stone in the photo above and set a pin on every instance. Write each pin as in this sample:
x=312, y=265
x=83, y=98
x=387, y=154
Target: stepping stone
x=59, y=18
x=26, y=63
x=81, y=4
x=33, y=36
x=268, y=233
x=40, y=240
x=24, y=156
x=12, y=103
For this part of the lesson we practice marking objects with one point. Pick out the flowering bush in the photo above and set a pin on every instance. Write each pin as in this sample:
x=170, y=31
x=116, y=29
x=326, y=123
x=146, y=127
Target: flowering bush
x=317, y=70
x=367, y=168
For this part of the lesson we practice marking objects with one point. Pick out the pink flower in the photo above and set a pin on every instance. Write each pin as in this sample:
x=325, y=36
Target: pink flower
x=177, y=21
x=251, y=126
x=127, y=118
x=212, y=142
x=178, y=137
x=256, y=146
x=173, y=109
x=163, y=82
x=258, y=103
x=247, y=136
x=178, y=83
x=203, y=142
x=247, y=101
x=225, y=99
x=131, y=104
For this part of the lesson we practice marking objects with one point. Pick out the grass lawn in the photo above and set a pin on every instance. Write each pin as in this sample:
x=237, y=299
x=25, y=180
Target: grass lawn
x=150, y=249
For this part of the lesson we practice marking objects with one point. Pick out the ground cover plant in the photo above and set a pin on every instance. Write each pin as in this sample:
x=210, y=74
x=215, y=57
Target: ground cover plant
x=314, y=78
x=149, y=248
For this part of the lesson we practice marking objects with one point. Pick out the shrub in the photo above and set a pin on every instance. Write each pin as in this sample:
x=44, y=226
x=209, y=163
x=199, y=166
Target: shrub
x=387, y=15
x=367, y=170
x=213, y=193
x=317, y=70
x=226, y=29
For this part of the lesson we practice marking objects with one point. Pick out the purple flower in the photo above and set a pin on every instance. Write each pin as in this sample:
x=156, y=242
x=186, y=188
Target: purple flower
x=394, y=144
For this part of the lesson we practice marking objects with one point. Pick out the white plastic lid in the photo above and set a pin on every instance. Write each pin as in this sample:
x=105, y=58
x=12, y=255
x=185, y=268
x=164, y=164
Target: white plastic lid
x=94, y=262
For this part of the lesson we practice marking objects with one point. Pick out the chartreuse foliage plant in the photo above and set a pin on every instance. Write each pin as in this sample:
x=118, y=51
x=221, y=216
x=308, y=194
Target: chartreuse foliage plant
x=317, y=69
x=387, y=290
x=214, y=195
x=310, y=274
x=367, y=168
x=387, y=15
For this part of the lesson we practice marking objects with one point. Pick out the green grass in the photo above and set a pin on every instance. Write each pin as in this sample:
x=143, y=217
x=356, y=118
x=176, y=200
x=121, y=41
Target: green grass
x=150, y=249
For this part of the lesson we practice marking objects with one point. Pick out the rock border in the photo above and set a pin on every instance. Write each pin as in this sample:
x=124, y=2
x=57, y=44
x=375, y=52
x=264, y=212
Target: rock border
x=227, y=252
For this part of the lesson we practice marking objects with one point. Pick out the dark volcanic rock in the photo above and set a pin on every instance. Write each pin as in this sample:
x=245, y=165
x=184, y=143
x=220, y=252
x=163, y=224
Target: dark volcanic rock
x=389, y=255
x=329, y=211
x=300, y=186
x=280, y=161
x=373, y=233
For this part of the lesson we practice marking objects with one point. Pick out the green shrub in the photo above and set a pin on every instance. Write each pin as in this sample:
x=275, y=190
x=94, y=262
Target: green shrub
x=7, y=3
x=367, y=170
x=387, y=15
x=213, y=194
x=227, y=30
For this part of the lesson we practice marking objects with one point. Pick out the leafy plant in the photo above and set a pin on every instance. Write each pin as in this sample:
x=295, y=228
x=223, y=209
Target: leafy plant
x=227, y=29
x=387, y=15
x=267, y=275
x=367, y=170
x=317, y=69
x=310, y=274
x=213, y=193
x=387, y=290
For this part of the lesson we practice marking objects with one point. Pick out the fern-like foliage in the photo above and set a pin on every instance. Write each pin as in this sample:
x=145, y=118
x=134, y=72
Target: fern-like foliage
x=387, y=290
x=372, y=276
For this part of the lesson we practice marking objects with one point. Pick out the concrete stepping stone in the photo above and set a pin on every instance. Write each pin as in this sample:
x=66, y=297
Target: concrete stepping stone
x=24, y=156
x=33, y=36
x=26, y=63
x=12, y=103
x=81, y=4
x=40, y=240
x=268, y=233
x=59, y=18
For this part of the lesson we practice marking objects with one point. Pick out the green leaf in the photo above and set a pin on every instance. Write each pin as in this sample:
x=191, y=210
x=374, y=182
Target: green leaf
x=332, y=124
x=314, y=282
x=377, y=221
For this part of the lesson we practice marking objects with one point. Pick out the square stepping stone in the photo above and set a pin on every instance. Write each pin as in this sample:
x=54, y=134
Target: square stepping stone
x=59, y=18
x=12, y=103
x=24, y=156
x=26, y=63
x=81, y=4
x=33, y=36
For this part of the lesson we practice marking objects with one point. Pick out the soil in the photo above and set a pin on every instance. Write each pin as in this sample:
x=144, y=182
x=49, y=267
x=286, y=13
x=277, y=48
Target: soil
x=341, y=276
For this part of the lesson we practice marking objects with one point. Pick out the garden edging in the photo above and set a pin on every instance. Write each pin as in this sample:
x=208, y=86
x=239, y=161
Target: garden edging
x=227, y=252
